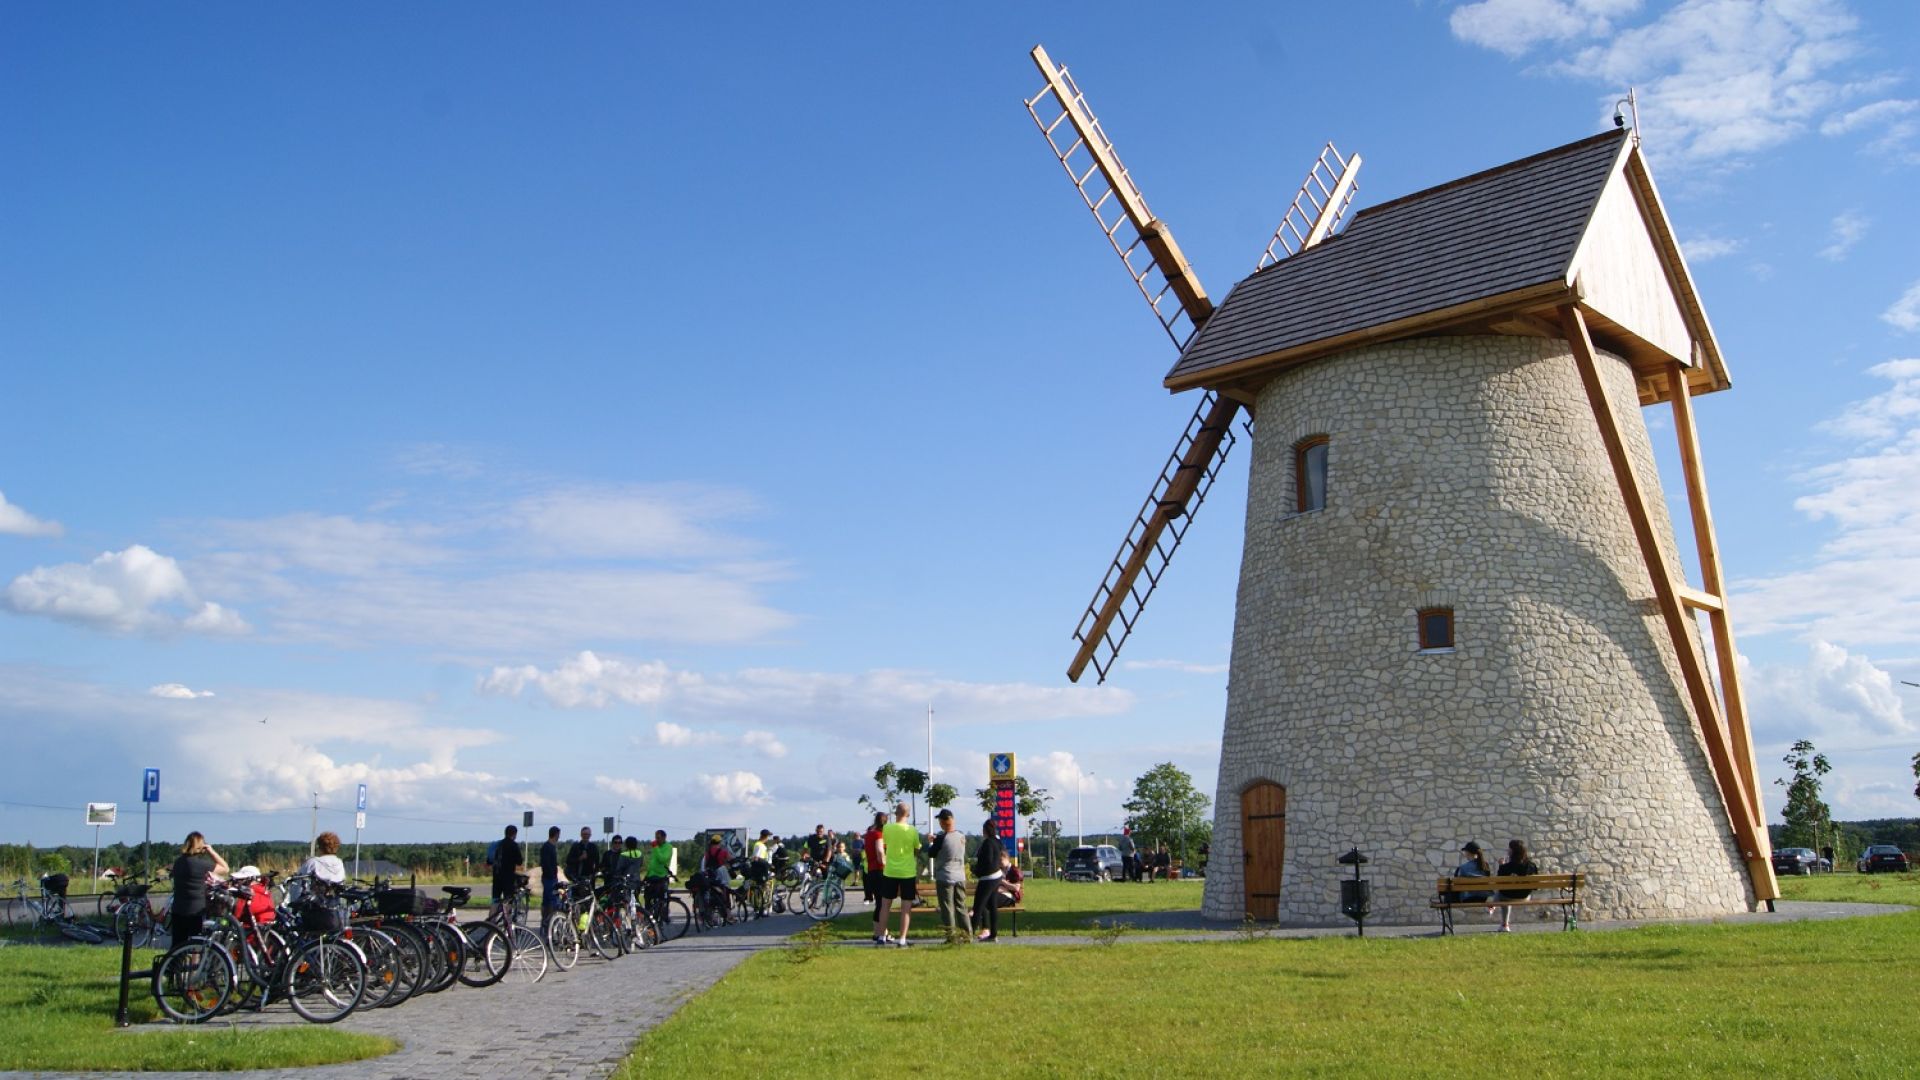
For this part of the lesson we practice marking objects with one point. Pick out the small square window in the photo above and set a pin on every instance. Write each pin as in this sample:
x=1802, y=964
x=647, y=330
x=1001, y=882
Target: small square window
x=1436, y=628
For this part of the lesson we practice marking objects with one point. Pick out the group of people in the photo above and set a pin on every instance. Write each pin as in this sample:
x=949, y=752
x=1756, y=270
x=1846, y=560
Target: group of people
x=626, y=862
x=1518, y=863
x=1143, y=864
x=199, y=866
x=891, y=853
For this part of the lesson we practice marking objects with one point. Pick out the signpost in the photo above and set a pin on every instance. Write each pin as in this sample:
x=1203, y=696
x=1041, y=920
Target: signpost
x=149, y=794
x=359, y=822
x=98, y=814
x=1001, y=772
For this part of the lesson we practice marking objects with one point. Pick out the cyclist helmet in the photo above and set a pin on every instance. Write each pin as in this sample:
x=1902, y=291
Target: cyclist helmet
x=246, y=873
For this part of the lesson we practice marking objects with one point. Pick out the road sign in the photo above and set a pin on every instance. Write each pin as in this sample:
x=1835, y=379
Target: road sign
x=360, y=819
x=606, y=825
x=360, y=800
x=526, y=820
x=150, y=786
x=102, y=813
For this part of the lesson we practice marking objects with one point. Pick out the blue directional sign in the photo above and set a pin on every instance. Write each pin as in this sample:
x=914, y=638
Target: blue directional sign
x=360, y=801
x=150, y=786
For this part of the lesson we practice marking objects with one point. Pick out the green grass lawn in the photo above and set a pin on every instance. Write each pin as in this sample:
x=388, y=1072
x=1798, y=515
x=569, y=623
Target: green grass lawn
x=1053, y=907
x=1823, y=999
x=1854, y=888
x=56, y=1012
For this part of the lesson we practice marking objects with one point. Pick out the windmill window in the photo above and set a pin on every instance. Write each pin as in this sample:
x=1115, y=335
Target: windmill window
x=1310, y=474
x=1436, y=629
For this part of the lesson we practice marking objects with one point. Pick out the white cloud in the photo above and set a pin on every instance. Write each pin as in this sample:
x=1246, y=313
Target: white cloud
x=737, y=788
x=1718, y=79
x=1848, y=229
x=1863, y=586
x=1062, y=774
x=1836, y=697
x=862, y=705
x=136, y=590
x=1905, y=312
x=652, y=521
x=764, y=742
x=670, y=734
x=1186, y=667
x=1515, y=26
x=1879, y=112
x=177, y=691
x=17, y=522
x=1708, y=248
x=631, y=790
x=232, y=763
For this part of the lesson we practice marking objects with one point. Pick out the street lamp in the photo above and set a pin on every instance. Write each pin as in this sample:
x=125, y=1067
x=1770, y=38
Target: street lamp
x=1079, y=806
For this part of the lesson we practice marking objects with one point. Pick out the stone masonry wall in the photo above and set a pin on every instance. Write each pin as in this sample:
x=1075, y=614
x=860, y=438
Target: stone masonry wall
x=1463, y=472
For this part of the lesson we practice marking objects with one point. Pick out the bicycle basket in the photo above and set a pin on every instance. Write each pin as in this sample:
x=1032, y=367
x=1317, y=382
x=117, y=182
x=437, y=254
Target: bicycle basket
x=55, y=884
x=400, y=902
x=319, y=917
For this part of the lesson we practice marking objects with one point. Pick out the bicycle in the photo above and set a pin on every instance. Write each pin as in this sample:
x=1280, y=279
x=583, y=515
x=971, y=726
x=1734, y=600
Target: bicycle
x=529, y=950
x=826, y=896
x=670, y=914
x=53, y=915
x=322, y=974
x=136, y=916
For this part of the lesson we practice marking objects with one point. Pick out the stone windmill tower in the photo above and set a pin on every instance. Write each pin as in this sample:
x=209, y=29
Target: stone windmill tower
x=1462, y=613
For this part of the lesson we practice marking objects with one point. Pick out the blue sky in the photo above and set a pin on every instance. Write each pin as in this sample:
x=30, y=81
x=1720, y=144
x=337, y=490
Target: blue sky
x=655, y=409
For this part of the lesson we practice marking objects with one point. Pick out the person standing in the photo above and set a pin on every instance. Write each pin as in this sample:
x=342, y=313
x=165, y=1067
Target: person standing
x=950, y=878
x=583, y=857
x=504, y=863
x=987, y=873
x=549, y=875
x=197, y=860
x=817, y=848
x=1129, y=864
x=659, y=866
x=900, y=865
x=873, y=867
x=611, y=863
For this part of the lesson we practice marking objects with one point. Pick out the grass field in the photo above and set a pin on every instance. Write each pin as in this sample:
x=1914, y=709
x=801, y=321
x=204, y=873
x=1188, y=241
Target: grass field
x=1053, y=907
x=56, y=1012
x=1824, y=999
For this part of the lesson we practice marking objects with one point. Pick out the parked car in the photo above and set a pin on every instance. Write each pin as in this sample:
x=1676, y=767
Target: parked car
x=1093, y=862
x=1882, y=857
x=1799, y=860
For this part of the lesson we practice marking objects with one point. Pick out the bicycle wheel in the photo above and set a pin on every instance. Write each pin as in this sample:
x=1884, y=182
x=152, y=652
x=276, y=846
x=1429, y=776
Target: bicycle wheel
x=673, y=918
x=600, y=936
x=488, y=956
x=326, y=980
x=191, y=983
x=563, y=940
x=384, y=977
x=135, y=919
x=529, y=954
x=826, y=900
x=412, y=954
x=449, y=948
x=646, y=932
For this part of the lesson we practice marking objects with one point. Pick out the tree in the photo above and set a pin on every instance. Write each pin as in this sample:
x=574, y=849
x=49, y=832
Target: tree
x=1916, y=776
x=941, y=795
x=1166, y=808
x=1805, y=814
x=887, y=779
x=913, y=783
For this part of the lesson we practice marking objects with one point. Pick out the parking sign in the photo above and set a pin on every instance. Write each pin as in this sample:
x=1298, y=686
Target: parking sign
x=360, y=800
x=150, y=786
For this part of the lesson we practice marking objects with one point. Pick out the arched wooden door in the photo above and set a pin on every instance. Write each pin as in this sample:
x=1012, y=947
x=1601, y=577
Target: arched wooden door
x=1263, y=840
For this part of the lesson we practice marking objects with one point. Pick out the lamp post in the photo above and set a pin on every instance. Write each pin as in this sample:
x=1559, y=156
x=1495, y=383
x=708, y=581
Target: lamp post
x=313, y=824
x=1079, y=806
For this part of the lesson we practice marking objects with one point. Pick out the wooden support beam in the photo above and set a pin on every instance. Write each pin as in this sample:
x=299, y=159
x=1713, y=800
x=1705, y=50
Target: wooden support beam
x=1699, y=601
x=1726, y=656
x=1680, y=628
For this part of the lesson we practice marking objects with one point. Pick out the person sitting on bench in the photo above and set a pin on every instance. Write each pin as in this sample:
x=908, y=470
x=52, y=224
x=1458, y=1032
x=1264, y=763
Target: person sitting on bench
x=1475, y=866
x=1518, y=864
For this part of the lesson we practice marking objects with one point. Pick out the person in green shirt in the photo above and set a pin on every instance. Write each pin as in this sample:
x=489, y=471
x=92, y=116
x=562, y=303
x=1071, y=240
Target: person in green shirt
x=658, y=868
x=899, y=850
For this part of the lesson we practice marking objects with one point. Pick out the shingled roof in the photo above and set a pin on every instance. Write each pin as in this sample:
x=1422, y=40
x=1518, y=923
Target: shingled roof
x=1476, y=239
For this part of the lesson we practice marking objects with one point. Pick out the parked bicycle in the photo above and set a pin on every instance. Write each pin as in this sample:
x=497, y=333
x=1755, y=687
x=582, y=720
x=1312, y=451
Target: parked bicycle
x=136, y=915
x=52, y=916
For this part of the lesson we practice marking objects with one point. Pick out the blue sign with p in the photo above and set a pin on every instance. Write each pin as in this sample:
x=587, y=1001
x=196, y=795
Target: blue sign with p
x=150, y=786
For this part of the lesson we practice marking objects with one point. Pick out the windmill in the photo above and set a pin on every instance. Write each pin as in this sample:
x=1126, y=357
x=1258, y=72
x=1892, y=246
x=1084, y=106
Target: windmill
x=1462, y=611
x=1179, y=302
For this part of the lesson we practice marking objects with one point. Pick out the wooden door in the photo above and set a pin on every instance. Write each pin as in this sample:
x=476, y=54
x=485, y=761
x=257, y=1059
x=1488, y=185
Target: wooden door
x=1263, y=839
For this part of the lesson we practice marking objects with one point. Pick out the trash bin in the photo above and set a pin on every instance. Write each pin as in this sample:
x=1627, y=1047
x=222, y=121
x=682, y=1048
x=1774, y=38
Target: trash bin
x=1356, y=899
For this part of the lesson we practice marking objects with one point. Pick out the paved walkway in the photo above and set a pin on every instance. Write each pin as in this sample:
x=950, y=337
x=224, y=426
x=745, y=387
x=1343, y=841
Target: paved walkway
x=462, y=1033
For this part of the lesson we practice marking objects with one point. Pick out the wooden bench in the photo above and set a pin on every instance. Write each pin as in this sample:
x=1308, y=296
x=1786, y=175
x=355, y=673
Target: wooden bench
x=1565, y=890
x=923, y=897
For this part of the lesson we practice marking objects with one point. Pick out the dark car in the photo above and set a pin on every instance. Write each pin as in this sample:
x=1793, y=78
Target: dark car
x=1799, y=860
x=1882, y=857
x=1091, y=862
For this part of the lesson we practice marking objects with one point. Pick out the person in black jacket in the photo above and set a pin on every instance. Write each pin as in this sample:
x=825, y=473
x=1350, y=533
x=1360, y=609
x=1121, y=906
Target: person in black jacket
x=986, y=877
x=1517, y=864
x=583, y=857
x=190, y=871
